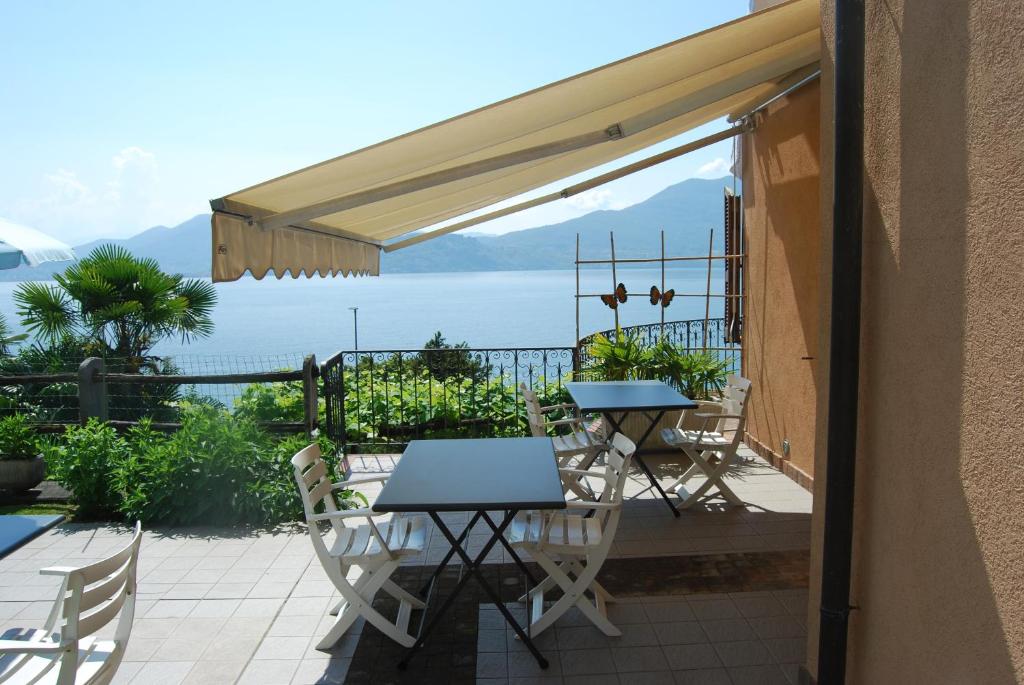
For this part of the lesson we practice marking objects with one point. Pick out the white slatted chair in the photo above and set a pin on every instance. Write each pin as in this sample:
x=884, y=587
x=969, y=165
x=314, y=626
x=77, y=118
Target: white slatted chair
x=737, y=388
x=713, y=452
x=571, y=547
x=66, y=650
x=577, y=442
x=374, y=547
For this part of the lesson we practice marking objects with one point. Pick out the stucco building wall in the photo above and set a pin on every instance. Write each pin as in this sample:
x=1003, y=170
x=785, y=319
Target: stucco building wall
x=938, y=576
x=781, y=182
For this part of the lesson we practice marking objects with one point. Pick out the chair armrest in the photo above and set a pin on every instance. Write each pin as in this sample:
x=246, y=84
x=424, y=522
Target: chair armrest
x=561, y=422
x=359, y=480
x=28, y=647
x=553, y=407
x=718, y=416
x=580, y=472
x=57, y=570
x=364, y=512
x=584, y=504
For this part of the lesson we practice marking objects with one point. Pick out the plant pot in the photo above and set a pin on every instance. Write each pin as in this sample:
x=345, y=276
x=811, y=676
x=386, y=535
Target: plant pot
x=18, y=475
x=636, y=424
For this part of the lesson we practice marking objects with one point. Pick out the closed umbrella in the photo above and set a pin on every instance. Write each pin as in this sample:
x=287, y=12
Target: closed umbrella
x=23, y=245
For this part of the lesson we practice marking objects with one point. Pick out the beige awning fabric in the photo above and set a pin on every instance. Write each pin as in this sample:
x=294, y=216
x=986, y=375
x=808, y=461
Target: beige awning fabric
x=238, y=248
x=475, y=160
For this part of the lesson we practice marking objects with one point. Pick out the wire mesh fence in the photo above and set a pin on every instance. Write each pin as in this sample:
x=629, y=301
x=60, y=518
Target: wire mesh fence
x=46, y=386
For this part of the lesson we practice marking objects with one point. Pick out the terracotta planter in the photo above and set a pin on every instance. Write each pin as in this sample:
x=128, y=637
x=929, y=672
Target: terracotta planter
x=18, y=475
x=634, y=425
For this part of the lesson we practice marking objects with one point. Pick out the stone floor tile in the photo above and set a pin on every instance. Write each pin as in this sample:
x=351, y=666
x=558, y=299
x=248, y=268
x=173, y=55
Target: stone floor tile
x=679, y=633
x=258, y=607
x=282, y=648
x=703, y=676
x=787, y=650
x=523, y=664
x=728, y=630
x=743, y=653
x=685, y=657
x=321, y=671
x=648, y=678
x=215, y=608
x=777, y=626
x=587, y=661
x=172, y=608
x=162, y=673
x=632, y=659
x=669, y=611
x=492, y=665
x=713, y=607
x=758, y=675
x=269, y=672
x=214, y=672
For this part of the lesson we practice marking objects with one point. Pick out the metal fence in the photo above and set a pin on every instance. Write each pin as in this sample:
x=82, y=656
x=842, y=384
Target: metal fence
x=379, y=400
x=691, y=335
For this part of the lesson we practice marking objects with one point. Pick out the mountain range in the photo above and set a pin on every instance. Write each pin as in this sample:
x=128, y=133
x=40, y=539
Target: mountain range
x=685, y=211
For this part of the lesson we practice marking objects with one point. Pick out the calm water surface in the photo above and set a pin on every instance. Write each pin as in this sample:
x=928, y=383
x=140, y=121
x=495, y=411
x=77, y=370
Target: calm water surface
x=402, y=311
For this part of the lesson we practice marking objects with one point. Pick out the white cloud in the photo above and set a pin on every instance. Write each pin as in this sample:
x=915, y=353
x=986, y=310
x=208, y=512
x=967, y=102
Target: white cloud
x=594, y=199
x=74, y=209
x=715, y=168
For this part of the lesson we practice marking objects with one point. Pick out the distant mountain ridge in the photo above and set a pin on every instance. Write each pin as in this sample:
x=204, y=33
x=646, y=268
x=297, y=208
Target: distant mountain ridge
x=686, y=212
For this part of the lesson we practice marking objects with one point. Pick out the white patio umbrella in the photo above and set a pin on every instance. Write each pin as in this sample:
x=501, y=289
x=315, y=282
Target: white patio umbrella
x=21, y=244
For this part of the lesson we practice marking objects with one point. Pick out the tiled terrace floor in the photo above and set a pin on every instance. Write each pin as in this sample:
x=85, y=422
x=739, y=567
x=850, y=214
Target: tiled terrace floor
x=223, y=606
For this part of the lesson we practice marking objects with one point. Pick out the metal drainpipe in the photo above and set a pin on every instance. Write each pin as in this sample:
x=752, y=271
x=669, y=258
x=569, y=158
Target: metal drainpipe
x=844, y=356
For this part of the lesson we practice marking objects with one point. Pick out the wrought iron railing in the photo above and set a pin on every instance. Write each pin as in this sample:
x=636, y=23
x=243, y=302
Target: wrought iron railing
x=379, y=400
x=689, y=335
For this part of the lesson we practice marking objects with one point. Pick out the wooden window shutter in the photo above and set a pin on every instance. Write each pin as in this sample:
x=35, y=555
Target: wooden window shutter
x=733, y=267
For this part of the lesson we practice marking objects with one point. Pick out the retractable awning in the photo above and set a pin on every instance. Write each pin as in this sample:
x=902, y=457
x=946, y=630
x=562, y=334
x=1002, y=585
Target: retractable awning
x=336, y=216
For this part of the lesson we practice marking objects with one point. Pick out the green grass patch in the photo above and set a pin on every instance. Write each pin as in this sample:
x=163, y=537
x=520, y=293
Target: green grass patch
x=67, y=510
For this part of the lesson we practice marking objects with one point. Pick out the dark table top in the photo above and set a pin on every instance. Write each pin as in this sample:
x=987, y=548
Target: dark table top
x=609, y=396
x=470, y=475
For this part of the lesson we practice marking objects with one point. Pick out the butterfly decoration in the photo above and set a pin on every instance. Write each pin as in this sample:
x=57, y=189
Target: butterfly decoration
x=615, y=298
x=665, y=298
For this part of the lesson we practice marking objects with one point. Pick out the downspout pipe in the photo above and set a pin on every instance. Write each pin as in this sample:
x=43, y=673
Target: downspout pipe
x=844, y=351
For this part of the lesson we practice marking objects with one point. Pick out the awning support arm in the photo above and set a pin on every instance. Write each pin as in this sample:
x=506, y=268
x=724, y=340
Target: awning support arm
x=578, y=188
x=437, y=178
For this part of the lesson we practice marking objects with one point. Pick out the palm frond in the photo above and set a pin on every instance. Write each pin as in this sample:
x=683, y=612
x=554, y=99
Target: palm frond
x=46, y=310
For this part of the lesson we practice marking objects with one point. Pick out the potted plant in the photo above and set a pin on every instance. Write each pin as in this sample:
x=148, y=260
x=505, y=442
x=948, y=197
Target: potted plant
x=21, y=466
x=699, y=376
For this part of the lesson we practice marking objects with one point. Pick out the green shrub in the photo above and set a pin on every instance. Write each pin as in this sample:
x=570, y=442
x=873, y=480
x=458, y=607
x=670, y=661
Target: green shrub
x=271, y=402
x=85, y=462
x=216, y=470
x=17, y=438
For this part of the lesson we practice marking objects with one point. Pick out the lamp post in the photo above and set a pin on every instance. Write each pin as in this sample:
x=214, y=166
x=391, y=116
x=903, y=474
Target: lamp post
x=355, y=326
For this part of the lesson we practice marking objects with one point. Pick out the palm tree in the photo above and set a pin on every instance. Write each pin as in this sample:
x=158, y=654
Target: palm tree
x=7, y=338
x=124, y=304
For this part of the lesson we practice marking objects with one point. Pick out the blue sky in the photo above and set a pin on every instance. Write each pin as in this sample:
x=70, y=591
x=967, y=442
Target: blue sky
x=117, y=116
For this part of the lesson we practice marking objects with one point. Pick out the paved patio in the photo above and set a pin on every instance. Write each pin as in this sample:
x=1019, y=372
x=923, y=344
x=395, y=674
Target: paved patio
x=225, y=605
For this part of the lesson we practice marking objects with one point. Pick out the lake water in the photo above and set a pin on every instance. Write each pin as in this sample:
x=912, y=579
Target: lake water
x=290, y=318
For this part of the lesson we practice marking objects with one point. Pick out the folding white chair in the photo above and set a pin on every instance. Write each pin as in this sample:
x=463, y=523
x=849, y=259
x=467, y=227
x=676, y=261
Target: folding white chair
x=374, y=548
x=66, y=650
x=712, y=450
x=578, y=442
x=572, y=547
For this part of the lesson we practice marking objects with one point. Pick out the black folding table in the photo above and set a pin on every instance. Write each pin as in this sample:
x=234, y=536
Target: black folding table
x=480, y=476
x=650, y=398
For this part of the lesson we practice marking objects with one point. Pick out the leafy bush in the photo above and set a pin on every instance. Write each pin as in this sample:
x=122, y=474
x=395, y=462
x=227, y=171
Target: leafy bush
x=216, y=470
x=85, y=462
x=697, y=375
x=264, y=402
x=17, y=438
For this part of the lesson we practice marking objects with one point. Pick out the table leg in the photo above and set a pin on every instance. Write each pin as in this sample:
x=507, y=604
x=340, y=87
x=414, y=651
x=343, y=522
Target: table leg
x=640, y=460
x=473, y=567
x=451, y=552
x=512, y=552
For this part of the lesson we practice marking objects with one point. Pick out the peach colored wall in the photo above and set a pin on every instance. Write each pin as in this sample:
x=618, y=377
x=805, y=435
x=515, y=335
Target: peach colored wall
x=939, y=548
x=781, y=180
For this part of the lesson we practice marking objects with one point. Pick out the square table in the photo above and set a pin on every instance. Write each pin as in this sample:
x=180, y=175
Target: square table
x=479, y=475
x=650, y=398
